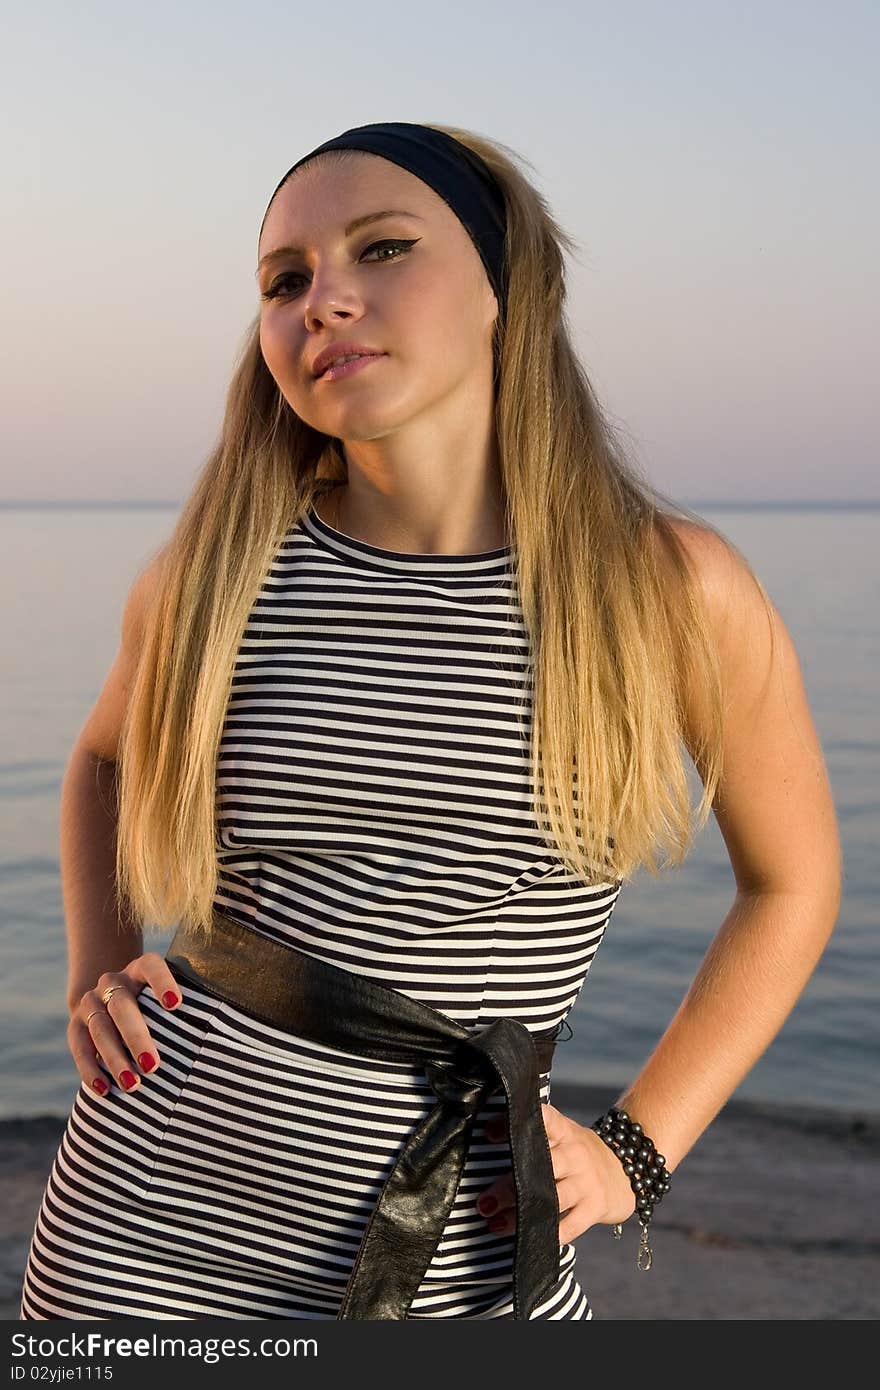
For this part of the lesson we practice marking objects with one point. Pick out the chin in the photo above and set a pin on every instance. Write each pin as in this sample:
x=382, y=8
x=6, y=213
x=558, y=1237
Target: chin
x=363, y=420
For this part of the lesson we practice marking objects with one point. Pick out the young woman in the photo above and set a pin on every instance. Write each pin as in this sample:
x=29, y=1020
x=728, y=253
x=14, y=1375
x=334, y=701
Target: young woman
x=397, y=708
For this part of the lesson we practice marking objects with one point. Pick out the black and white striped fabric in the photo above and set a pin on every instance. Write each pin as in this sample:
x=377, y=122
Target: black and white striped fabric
x=374, y=809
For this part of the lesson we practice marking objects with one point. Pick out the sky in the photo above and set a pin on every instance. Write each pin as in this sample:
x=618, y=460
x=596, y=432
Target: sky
x=715, y=163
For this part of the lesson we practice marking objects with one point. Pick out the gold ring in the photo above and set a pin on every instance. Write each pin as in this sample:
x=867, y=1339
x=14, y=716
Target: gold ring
x=92, y=1014
x=107, y=992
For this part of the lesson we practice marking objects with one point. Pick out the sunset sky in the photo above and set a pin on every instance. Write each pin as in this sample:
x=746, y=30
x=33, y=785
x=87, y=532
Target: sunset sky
x=715, y=162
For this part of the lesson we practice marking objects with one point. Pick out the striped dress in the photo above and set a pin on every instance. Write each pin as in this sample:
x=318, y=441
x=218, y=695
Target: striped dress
x=374, y=810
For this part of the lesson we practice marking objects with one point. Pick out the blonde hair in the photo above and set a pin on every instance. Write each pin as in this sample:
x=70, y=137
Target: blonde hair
x=615, y=617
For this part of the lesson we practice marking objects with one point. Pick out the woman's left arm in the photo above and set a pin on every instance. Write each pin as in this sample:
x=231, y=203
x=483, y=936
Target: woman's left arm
x=775, y=810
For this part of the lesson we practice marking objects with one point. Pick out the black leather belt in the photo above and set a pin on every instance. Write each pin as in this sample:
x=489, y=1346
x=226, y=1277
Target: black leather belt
x=290, y=989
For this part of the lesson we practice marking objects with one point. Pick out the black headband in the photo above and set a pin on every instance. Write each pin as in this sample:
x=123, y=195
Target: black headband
x=462, y=179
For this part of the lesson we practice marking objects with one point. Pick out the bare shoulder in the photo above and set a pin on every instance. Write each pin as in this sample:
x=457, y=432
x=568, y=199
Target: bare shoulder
x=141, y=596
x=747, y=629
x=743, y=621
x=725, y=579
x=774, y=805
x=101, y=732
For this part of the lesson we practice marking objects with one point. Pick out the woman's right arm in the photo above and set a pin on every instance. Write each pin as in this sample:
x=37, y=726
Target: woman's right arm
x=99, y=937
x=105, y=945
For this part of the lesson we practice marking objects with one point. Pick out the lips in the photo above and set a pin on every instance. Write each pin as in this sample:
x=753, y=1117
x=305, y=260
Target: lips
x=334, y=351
x=345, y=367
x=348, y=361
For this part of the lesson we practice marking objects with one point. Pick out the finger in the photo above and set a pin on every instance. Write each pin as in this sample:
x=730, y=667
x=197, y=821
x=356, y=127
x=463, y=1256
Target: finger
x=118, y=1023
x=504, y=1223
x=125, y=1014
x=566, y=1157
x=105, y=1039
x=575, y=1191
x=501, y=1196
x=556, y=1124
x=574, y=1222
x=497, y=1198
x=84, y=1055
x=153, y=970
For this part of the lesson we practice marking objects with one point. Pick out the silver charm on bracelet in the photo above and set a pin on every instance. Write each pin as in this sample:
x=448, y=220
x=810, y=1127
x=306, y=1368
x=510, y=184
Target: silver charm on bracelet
x=645, y=1257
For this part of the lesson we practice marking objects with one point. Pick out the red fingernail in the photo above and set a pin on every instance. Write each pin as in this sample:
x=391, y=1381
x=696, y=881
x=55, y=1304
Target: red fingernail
x=169, y=998
x=127, y=1079
x=99, y=1085
x=487, y=1204
x=146, y=1061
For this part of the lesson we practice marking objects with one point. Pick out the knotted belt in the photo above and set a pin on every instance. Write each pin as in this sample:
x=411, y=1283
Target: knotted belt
x=290, y=989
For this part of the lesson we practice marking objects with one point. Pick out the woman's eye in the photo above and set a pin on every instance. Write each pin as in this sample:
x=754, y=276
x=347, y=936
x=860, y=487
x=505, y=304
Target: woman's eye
x=400, y=247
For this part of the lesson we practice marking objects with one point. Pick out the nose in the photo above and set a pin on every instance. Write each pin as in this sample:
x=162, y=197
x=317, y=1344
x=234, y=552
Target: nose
x=316, y=317
x=328, y=303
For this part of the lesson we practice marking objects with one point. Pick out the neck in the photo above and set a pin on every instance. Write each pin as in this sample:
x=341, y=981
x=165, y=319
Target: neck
x=389, y=524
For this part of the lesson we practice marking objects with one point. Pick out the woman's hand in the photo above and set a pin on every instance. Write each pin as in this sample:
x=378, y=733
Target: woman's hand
x=591, y=1184
x=119, y=1024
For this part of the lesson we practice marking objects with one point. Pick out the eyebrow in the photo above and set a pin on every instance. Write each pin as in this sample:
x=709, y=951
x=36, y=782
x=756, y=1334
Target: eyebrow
x=283, y=251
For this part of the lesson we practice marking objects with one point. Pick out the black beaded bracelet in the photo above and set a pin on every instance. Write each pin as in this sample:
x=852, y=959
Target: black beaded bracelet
x=646, y=1169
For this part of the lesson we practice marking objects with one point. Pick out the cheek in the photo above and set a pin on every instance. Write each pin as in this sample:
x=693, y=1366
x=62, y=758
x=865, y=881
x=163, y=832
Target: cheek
x=271, y=346
x=447, y=329
x=281, y=360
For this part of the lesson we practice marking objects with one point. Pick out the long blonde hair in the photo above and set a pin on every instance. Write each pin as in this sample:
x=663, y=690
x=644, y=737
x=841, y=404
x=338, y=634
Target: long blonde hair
x=614, y=614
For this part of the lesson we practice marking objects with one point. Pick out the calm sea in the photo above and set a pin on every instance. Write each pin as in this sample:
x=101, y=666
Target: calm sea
x=65, y=573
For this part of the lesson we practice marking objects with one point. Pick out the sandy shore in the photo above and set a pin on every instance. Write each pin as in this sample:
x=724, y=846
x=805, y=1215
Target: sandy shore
x=771, y=1215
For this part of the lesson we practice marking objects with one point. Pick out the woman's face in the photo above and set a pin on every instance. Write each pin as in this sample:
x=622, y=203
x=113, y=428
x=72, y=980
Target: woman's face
x=410, y=285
